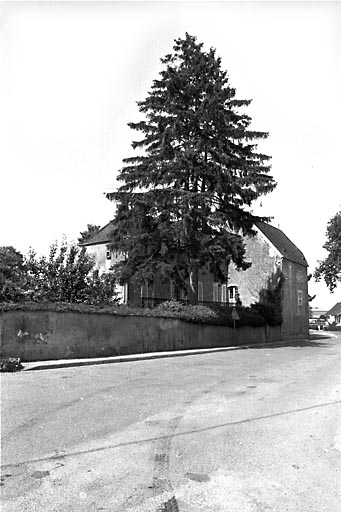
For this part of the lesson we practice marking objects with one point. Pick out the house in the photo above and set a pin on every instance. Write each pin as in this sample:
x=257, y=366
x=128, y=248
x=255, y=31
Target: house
x=335, y=314
x=318, y=318
x=316, y=313
x=99, y=246
x=278, y=266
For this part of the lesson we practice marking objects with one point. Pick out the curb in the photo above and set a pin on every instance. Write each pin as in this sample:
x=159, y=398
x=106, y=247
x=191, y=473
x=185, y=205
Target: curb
x=69, y=363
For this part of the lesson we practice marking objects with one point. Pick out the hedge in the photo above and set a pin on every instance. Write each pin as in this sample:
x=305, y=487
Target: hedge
x=217, y=314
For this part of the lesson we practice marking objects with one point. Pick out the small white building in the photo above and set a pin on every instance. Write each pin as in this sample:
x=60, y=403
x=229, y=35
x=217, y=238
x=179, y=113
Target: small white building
x=335, y=314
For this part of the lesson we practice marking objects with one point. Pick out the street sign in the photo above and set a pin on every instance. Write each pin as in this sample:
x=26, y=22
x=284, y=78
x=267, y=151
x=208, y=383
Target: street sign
x=234, y=314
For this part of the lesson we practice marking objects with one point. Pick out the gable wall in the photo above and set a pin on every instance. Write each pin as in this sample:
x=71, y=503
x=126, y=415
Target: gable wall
x=267, y=265
x=99, y=253
x=265, y=268
x=295, y=304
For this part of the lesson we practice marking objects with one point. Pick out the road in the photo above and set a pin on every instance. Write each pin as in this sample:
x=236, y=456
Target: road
x=238, y=431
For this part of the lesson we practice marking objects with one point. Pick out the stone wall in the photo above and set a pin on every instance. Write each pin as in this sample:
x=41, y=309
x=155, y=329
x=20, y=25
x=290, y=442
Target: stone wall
x=43, y=335
x=265, y=263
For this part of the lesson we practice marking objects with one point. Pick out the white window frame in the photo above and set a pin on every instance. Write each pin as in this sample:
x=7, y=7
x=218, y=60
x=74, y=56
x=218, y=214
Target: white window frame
x=300, y=298
x=224, y=293
x=125, y=293
x=232, y=297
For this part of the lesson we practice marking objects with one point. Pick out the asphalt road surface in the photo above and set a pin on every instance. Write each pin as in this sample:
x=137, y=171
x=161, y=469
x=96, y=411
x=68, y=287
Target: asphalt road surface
x=239, y=431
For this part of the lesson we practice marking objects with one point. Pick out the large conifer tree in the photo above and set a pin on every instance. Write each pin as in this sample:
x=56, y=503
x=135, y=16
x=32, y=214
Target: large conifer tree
x=185, y=198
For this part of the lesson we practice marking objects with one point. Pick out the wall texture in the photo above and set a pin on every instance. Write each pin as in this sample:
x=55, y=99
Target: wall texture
x=266, y=268
x=43, y=335
x=295, y=300
x=265, y=264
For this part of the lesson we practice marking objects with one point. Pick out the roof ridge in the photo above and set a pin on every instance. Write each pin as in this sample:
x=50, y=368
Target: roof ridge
x=282, y=243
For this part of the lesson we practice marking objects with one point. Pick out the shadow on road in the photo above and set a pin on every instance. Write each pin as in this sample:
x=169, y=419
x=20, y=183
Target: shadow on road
x=315, y=340
x=311, y=342
x=324, y=335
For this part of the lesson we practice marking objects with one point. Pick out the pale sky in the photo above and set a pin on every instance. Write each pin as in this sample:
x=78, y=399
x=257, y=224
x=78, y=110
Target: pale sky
x=70, y=76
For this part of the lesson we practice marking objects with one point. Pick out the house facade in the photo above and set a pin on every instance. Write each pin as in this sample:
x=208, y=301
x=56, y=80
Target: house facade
x=277, y=266
x=99, y=246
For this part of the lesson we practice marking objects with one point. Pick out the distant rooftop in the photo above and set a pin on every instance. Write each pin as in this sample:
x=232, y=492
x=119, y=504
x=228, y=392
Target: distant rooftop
x=336, y=310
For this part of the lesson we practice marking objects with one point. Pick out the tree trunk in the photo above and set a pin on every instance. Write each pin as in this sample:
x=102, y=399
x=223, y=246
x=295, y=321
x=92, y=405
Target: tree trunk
x=193, y=284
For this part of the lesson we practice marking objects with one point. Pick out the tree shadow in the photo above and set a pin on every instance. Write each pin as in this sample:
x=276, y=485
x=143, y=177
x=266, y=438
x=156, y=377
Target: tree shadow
x=272, y=292
x=292, y=343
x=269, y=303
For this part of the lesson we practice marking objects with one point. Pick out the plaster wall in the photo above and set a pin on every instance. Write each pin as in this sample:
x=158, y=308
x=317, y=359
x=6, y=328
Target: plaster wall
x=295, y=300
x=99, y=253
x=43, y=335
x=266, y=264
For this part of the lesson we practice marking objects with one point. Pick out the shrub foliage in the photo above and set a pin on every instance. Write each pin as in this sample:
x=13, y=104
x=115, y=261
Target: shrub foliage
x=210, y=315
x=12, y=274
x=68, y=275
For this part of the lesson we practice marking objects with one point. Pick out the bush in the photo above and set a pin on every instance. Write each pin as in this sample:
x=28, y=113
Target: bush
x=270, y=312
x=10, y=364
x=198, y=313
x=12, y=275
x=215, y=314
x=68, y=274
x=332, y=327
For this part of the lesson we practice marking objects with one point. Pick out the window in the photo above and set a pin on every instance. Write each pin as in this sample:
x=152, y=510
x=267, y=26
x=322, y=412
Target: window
x=223, y=293
x=183, y=294
x=219, y=292
x=171, y=289
x=232, y=294
x=299, y=276
x=215, y=292
x=125, y=294
x=108, y=253
x=300, y=298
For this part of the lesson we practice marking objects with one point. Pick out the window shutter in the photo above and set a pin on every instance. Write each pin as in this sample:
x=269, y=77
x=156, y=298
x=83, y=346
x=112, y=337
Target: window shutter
x=215, y=292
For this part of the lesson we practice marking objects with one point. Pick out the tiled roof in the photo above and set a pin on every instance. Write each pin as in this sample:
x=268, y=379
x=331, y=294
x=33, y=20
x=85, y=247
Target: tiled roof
x=282, y=243
x=336, y=310
x=274, y=235
x=103, y=236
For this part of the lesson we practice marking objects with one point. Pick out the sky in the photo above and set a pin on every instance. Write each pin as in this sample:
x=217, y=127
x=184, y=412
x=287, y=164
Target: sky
x=72, y=72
